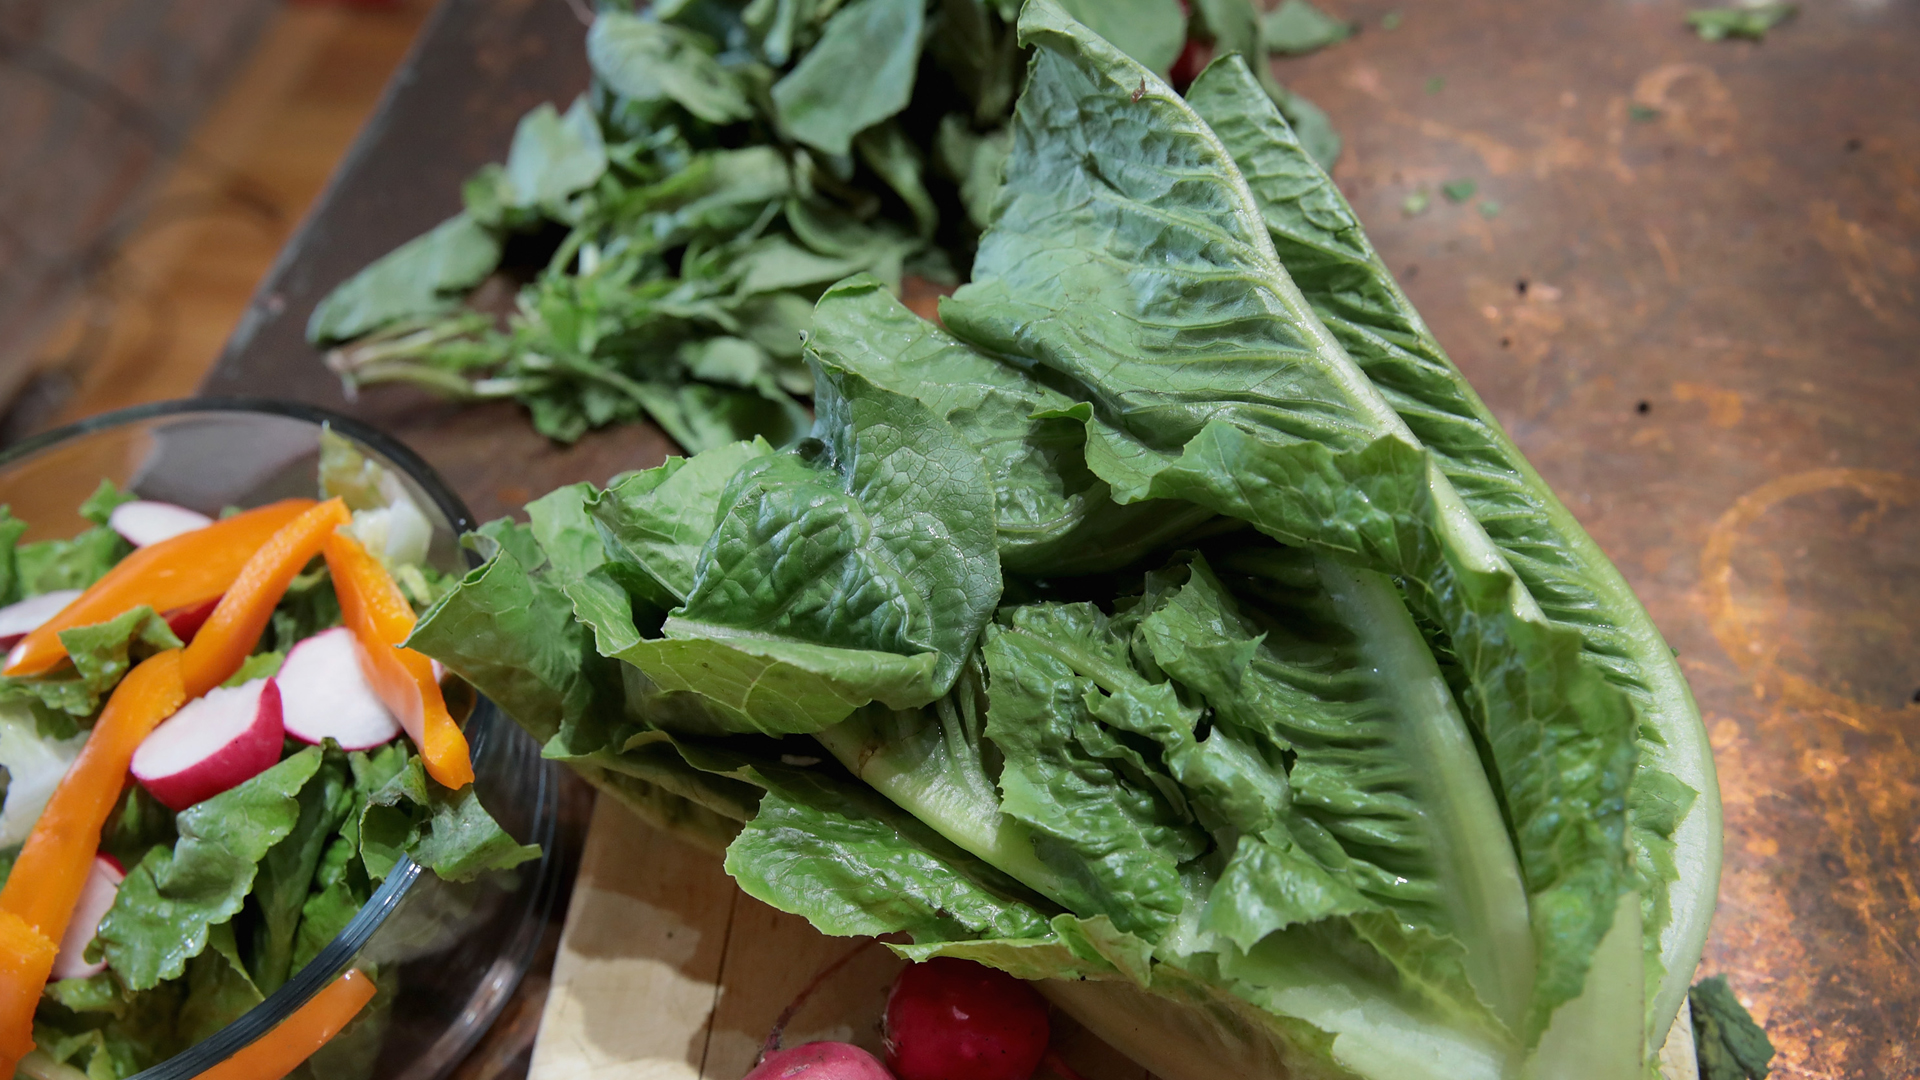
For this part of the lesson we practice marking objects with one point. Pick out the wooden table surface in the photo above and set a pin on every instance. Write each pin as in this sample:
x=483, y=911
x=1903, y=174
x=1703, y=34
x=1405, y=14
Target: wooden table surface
x=1694, y=307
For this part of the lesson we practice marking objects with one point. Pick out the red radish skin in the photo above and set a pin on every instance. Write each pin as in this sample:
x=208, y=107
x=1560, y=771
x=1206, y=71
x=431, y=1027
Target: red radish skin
x=324, y=694
x=144, y=522
x=950, y=1019
x=187, y=621
x=820, y=1061
x=213, y=743
x=96, y=896
x=23, y=618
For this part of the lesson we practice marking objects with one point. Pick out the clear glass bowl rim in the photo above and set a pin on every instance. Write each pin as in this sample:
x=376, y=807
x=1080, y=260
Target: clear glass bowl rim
x=339, y=953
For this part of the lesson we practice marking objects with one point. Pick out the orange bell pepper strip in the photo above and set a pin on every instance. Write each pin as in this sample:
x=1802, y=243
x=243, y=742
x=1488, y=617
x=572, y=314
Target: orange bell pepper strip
x=53, y=864
x=377, y=612
x=191, y=568
x=231, y=632
x=37, y=902
x=26, y=960
x=294, y=1040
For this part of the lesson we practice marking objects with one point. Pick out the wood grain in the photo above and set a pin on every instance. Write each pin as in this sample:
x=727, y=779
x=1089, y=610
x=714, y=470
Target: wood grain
x=666, y=971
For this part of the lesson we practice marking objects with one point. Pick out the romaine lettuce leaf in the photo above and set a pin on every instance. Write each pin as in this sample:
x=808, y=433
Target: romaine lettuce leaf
x=1053, y=515
x=1131, y=261
x=858, y=566
x=853, y=863
x=1320, y=241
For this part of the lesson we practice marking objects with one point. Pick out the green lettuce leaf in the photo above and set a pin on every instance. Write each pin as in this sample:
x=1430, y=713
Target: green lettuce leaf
x=45, y=566
x=1152, y=32
x=1101, y=811
x=164, y=911
x=652, y=525
x=1318, y=238
x=857, y=567
x=286, y=871
x=448, y=832
x=101, y=654
x=852, y=863
x=1052, y=514
x=1210, y=379
x=509, y=630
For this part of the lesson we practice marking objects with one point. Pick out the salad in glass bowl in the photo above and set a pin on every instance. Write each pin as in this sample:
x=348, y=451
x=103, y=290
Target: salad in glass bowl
x=241, y=816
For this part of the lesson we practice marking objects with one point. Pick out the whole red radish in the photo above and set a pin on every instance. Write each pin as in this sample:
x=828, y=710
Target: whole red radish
x=951, y=1019
x=820, y=1061
x=213, y=743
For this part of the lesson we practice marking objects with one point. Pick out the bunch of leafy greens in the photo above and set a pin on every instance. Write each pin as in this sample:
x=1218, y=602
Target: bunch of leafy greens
x=1173, y=625
x=731, y=160
x=225, y=900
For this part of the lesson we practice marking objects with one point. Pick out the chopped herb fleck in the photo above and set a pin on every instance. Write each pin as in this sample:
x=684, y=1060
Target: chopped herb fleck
x=1459, y=191
x=1415, y=203
x=1489, y=209
x=1751, y=22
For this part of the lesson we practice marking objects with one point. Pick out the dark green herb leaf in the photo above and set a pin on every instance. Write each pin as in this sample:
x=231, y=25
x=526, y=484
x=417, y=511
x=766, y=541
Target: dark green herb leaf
x=860, y=73
x=424, y=276
x=646, y=60
x=1297, y=27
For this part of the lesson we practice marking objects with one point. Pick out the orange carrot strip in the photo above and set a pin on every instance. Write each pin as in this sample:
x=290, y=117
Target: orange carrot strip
x=231, y=632
x=191, y=568
x=52, y=867
x=280, y=1051
x=26, y=960
x=377, y=612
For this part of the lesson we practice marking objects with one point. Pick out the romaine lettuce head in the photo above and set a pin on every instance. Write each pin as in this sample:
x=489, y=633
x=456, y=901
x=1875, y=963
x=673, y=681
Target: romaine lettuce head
x=1172, y=626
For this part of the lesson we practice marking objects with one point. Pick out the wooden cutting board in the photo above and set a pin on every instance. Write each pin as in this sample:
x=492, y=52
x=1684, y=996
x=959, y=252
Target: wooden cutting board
x=667, y=971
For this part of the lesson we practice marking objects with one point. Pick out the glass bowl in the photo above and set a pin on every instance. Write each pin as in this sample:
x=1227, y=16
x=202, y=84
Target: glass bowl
x=452, y=954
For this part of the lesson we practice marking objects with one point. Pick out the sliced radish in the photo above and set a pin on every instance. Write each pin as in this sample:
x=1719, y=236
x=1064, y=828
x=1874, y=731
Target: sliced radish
x=145, y=522
x=96, y=896
x=187, y=621
x=324, y=694
x=213, y=743
x=19, y=620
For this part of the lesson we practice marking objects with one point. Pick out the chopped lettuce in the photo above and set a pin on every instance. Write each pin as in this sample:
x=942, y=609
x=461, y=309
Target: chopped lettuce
x=34, y=764
x=101, y=655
